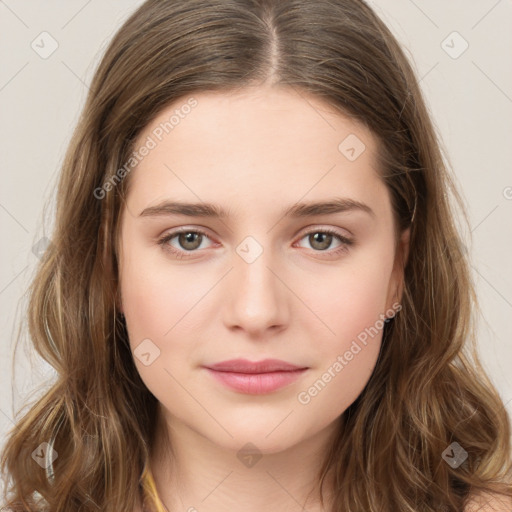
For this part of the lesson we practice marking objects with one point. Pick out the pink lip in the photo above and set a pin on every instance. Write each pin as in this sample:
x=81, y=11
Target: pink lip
x=255, y=378
x=245, y=366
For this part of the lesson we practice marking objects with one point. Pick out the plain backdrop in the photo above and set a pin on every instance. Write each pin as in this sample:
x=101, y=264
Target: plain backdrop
x=461, y=50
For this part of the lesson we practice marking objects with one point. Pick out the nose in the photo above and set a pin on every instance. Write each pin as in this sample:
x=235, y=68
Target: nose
x=256, y=297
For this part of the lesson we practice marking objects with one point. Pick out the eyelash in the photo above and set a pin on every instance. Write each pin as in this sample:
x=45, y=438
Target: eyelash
x=346, y=242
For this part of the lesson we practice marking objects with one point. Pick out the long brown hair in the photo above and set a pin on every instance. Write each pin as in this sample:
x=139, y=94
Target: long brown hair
x=428, y=389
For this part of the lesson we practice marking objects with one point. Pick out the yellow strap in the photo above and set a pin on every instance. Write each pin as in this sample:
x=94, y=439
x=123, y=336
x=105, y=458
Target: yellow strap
x=149, y=490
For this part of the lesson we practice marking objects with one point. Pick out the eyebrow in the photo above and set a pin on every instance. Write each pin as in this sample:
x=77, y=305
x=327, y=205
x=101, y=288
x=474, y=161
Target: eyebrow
x=298, y=210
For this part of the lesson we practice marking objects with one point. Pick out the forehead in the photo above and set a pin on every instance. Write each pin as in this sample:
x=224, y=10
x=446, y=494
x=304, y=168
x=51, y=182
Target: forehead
x=263, y=142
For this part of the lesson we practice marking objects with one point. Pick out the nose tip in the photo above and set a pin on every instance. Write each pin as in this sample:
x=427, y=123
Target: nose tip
x=256, y=295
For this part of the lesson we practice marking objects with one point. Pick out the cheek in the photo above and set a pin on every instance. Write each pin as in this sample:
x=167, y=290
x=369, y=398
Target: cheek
x=344, y=363
x=351, y=306
x=155, y=302
x=157, y=309
x=335, y=386
x=155, y=296
x=348, y=300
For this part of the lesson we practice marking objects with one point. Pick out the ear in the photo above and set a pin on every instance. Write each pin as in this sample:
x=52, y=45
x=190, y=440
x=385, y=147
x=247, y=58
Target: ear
x=396, y=283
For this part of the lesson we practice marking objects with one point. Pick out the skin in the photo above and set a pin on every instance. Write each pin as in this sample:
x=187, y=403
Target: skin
x=254, y=153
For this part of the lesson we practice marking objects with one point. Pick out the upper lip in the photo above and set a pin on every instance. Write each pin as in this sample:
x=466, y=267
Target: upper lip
x=245, y=366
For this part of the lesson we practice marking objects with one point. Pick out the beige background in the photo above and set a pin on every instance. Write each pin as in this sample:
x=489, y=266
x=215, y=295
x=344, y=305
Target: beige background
x=470, y=98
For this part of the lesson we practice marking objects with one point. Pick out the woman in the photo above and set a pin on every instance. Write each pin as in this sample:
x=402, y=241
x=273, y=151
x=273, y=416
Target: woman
x=256, y=296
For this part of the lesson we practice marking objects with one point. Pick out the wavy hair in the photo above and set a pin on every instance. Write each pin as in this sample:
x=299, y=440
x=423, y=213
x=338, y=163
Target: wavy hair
x=428, y=389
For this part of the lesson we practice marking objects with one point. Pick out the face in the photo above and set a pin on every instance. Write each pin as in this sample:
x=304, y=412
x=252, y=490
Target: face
x=309, y=286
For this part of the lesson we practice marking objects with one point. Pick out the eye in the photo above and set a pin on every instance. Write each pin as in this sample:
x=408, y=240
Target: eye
x=188, y=241
x=321, y=240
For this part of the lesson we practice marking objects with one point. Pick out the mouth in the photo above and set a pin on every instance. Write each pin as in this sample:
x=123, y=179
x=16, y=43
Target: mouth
x=255, y=378
x=254, y=367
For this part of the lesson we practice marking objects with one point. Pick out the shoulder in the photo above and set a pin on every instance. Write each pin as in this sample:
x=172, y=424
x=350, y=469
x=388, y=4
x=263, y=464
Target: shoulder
x=489, y=502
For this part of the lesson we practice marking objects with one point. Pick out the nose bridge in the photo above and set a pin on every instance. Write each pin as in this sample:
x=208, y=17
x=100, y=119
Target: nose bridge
x=257, y=295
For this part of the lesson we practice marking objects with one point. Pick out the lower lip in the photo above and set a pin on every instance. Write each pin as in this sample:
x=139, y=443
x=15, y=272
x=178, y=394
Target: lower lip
x=257, y=383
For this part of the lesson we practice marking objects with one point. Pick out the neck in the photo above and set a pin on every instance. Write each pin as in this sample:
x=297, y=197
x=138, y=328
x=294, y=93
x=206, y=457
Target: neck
x=193, y=473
